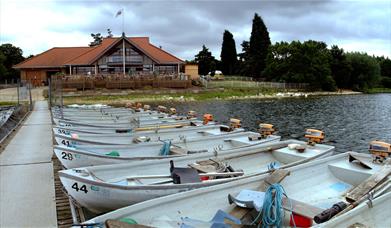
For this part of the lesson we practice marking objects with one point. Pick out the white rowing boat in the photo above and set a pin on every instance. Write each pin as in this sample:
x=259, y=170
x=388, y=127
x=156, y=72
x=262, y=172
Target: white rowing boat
x=142, y=136
x=131, y=125
x=129, y=130
x=95, y=118
x=123, y=122
x=5, y=114
x=109, y=187
x=73, y=156
x=311, y=189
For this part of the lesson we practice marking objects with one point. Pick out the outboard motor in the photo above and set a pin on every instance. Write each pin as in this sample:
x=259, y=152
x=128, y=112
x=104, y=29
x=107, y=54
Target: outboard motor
x=183, y=175
x=235, y=123
x=162, y=108
x=191, y=114
x=314, y=136
x=129, y=105
x=380, y=151
x=147, y=107
x=139, y=105
x=266, y=129
x=207, y=118
x=172, y=111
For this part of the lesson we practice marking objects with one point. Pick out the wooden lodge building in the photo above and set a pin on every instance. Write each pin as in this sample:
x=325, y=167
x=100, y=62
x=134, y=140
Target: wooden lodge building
x=141, y=57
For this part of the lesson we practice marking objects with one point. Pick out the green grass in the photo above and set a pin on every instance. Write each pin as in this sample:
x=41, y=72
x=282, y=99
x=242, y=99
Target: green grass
x=231, y=93
x=232, y=84
x=7, y=103
x=379, y=90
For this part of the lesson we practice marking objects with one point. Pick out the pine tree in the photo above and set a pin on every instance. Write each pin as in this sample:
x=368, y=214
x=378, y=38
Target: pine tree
x=206, y=62
x=98, y=38
x=228, y=54
x=244, y=59
x=259, y=45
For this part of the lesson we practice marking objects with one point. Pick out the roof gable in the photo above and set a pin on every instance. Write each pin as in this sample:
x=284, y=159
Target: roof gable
x=154, y=52
x=62, y=56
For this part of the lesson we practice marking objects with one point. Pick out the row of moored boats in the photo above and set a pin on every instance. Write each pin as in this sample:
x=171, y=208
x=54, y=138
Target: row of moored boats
x=156, y=168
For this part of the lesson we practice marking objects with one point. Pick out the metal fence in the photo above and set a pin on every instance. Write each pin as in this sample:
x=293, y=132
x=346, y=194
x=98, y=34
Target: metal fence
x=83, y=82
x=81, y=85
x=19, y=92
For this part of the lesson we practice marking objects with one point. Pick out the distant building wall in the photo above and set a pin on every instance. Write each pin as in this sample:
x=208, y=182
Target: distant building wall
x=38, y=77
x=192, y=71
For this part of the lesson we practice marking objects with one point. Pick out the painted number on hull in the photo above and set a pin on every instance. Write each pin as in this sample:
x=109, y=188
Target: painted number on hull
x=65, y=142
x=83, y=188
x=61, y=131
x=67, y=156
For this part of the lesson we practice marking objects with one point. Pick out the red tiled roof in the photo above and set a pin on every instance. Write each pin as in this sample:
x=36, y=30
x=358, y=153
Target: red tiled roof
x=88, y=57
x=54, y=57
x=59, y=57
x=152, y=51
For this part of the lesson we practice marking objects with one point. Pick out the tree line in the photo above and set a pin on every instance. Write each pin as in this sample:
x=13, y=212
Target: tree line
x=9, y=56
x=297, y=62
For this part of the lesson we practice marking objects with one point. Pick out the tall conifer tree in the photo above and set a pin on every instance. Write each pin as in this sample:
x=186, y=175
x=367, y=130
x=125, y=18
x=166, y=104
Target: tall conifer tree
x=228, y=54
x=259, y=45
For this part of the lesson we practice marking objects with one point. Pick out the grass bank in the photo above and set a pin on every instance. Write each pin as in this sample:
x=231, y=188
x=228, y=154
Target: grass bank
x=188, y=96
x=378, y=90
x=8, y=103
x=179, y=96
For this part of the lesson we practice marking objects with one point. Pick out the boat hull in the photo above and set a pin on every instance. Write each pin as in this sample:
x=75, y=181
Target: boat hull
x=118, y=189
x=73, y=157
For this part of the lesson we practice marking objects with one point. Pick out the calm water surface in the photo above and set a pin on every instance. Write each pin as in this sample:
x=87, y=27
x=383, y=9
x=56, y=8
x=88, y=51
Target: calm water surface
x=350, y=122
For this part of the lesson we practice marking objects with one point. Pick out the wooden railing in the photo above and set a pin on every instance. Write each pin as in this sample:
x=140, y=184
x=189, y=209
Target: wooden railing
x=83, y=82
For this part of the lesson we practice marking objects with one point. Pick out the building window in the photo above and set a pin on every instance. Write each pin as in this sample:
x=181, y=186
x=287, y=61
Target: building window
x=166, y=69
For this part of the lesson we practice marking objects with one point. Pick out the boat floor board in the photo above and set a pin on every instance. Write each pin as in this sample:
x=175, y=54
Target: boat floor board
x=276, y=177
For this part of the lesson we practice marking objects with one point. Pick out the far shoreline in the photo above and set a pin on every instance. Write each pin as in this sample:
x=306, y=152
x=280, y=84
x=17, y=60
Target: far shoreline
x=120, y=99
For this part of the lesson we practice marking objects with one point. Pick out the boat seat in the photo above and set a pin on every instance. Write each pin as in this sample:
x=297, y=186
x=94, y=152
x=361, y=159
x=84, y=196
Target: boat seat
x=301, y=208
x=183, y=175
x=203, y=168
x=209, y=166
x=238, y=142
x=255, y=137
x=178, y=151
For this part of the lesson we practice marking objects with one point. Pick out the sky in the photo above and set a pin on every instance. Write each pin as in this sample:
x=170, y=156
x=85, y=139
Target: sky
x=181, y=27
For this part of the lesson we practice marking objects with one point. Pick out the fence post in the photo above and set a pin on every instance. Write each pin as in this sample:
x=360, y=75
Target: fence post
x=17, y=90
x=50, y=92
x=31, y=99
x=61, y=96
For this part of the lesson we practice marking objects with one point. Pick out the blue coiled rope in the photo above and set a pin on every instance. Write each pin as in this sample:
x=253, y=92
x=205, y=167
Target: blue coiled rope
x=272, y=210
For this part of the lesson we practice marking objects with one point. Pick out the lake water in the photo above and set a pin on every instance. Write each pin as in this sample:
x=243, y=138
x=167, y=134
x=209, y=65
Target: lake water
x=350, y=122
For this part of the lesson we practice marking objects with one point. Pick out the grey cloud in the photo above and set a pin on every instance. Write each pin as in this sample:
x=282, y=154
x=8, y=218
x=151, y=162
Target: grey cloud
x=182, y=27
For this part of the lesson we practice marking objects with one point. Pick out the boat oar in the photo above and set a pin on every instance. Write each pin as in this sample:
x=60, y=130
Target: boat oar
x=377, y=191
